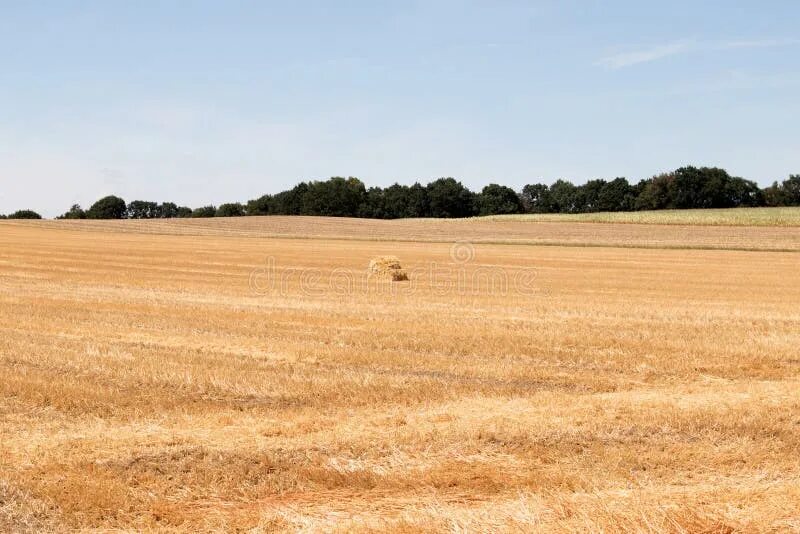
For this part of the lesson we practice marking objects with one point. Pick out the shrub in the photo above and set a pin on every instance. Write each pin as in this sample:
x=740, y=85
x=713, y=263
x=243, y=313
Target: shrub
x=75, y=212
x=205, y=211
x=25, y=214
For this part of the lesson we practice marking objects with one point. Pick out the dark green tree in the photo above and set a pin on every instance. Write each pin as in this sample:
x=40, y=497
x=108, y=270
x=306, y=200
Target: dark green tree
x=290, y=202
x=497, y=199
x=167, y=210
x=259, y=206
x=110, y=207
x=416, y=204
x=536, y=198
x=563, y=197
x=587, y=196
x=374, y=204
x=684, y=188
x=616, y=195
x=745, y=193
x=400, y=201
x=448, y=198
x=335, y=197
x=24, y=214
x=791, y=190
x=713, y=187
x=774, y=195
x=75, y=212
x=232, y=209
x=204, y=212
x=141, y=209
x=654, y=193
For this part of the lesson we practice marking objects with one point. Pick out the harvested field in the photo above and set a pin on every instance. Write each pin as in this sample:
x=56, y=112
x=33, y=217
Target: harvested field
x=708, y=217
x=225, y=374
x=557, y=230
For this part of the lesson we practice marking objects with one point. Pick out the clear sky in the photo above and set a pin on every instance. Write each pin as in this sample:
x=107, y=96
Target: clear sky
x=199, y=102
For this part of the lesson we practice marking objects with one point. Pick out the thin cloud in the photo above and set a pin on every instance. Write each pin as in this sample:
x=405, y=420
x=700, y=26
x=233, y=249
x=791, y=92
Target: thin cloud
x=627, y=59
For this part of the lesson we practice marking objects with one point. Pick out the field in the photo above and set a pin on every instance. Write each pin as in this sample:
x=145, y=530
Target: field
x=712, y=217
x=556, y=230
x=247, y=374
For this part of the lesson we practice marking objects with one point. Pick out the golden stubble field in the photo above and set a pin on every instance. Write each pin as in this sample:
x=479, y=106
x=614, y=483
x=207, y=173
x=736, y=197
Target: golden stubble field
x=201, y=381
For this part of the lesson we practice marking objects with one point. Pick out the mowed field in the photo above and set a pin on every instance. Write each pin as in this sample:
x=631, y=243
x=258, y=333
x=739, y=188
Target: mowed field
x=786, y=216
x=771, y=229
x=247, y=374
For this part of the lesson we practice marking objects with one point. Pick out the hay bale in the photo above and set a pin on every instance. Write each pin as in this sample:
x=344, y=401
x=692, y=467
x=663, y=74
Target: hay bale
x=399, y=275
x=384, y=264
x=389, y=267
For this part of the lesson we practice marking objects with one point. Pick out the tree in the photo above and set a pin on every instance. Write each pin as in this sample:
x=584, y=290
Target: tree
x=140, y=209
x=449, y=198
x=786, y=193
x=741, y=192
x=75, y=212
x=703, y=187
x=259, y=206
x=774, y=195
x=204, y=212
x=654, y=193
x=167, y=210
x=335, y=197
x=563, y=197
x=290, y=202
x=536, y=198
x=374, y=204
x=396, y=202
x=587, y=196
x=110, y=207
x=684, y=188
x=714, y=186
x=233, y=209
x=416, y=204
x=498, y=200
x=791, y=190
x=24, y=214
x=616, y=195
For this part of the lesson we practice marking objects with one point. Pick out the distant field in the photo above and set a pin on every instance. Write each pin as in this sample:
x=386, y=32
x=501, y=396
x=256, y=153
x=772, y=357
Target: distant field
x=557, y=230
x=160, y=382
x=714, y=217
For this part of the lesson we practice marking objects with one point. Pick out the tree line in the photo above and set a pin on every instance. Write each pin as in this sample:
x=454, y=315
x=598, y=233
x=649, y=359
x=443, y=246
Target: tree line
x=21, y=214
x=684, y=188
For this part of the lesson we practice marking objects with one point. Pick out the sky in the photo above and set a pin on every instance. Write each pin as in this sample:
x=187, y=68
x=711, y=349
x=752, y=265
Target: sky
x=217, y=101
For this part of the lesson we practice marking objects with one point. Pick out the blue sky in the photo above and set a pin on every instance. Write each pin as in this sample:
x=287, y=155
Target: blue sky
x=200, y=102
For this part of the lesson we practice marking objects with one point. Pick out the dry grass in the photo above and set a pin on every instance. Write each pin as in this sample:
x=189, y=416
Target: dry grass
x=706, y=217
x=555, y=231
x=152, y=382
